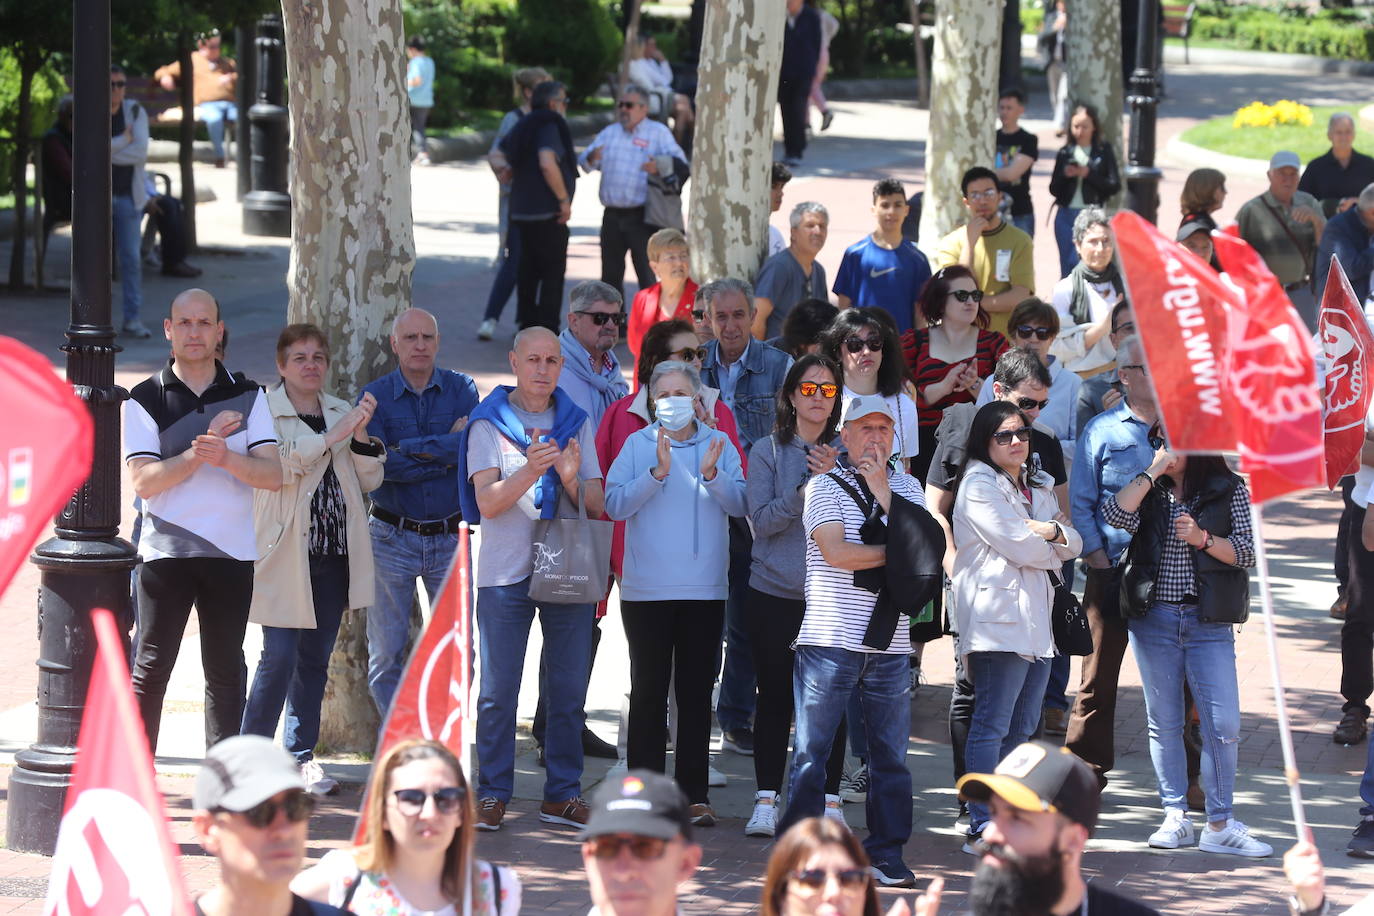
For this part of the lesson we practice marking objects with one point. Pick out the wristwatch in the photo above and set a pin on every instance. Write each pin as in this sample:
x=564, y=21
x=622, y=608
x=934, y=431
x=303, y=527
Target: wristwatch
x=1058, y=532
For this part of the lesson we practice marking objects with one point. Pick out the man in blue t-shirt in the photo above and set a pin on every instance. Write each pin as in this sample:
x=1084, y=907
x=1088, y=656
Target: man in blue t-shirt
x=420, y=89
x=884, y=269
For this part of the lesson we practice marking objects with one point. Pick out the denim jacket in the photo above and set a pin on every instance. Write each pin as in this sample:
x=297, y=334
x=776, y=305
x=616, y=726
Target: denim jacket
x=1112, y=448
x=756, y=391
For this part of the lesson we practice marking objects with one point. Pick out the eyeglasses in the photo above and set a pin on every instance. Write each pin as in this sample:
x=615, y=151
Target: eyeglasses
x=857, y=344
x=989, y=194
x=676, y=257
x=1032, y=403
x=643, y=848
x=1143, y=368
x=600, y=318
x=411, y=802
x=814, y=878
x=627, y=104
x=1026, y=331
x=1004, y=436
x=828, y=390
x=964, y=295
x=297, y=805
x=688, y=354
x=117, y=84
x=1155, y=437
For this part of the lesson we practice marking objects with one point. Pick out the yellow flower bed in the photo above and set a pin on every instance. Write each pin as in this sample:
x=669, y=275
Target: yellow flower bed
x=1284, y=111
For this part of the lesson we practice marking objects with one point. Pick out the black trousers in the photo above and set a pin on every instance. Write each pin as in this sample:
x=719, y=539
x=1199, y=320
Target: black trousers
x=623, y=229
x=1357, y=633
x=171, y=226
x=672, y=639
x=1341, y=561
x=539, y=280
x=221, y=590
x=792, y=97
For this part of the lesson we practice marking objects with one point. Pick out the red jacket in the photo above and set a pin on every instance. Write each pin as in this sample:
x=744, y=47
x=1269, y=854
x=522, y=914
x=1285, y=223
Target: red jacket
x=644, y=314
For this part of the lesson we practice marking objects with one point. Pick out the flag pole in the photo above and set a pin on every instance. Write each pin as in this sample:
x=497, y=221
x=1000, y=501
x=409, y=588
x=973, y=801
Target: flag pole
x=463, y=625
x=1290, y=763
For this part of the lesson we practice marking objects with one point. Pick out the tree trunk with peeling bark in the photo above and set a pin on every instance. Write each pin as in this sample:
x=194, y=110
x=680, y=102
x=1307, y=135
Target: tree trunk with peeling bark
x=737, y=92
x=352, y=239
x=1094, y=68
x=963, y=103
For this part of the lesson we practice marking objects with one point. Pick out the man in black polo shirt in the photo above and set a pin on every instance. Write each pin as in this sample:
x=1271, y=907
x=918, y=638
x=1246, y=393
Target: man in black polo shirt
x=1017, y=150
x=197, y=441
x=1337, y=176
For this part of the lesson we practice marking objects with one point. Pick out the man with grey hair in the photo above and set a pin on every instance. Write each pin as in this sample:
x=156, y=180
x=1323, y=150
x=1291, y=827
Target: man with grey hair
x=1285, y=226
x=792, y=274
x=420, y=415
x=591, y=372
x=1348, y=236
x=627, y=153
x=1337, y=176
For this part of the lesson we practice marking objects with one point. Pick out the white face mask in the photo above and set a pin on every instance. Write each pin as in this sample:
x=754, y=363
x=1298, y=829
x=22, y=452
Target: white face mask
x=674, y=413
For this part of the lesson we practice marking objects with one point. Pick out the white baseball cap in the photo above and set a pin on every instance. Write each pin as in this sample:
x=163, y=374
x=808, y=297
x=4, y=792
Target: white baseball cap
x=861, y=406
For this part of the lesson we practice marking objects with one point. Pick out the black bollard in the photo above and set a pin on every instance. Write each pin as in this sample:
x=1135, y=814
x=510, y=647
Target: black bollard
x=267, y=208
x=244, y=91
x=1142, y=176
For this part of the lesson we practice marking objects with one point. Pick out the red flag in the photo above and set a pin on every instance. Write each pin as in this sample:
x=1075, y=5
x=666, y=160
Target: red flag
x=1272, y=375
x=114, y=855
x=1348, y=346
x=45, y=450
x=1181, y=308
x=432, y=699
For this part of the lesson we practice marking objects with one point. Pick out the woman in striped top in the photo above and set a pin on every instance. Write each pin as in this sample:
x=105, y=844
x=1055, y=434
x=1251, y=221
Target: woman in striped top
x=950, y=358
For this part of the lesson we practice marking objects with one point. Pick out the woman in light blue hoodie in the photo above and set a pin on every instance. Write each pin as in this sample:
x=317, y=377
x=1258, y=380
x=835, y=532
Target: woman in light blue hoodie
x=674, y=484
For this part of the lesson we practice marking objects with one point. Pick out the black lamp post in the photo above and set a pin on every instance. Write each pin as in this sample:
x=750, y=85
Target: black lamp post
x=1142, y=177
x=85, y=564
x=267, y=208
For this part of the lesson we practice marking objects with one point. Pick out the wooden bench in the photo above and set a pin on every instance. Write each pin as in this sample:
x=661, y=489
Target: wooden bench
x=1177, y=21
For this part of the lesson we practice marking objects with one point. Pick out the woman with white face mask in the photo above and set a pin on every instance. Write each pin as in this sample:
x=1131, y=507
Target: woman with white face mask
x=674, y=483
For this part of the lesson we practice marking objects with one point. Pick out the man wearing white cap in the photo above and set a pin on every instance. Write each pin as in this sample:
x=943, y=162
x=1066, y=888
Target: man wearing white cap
x=1285, y=226
x=843, y=510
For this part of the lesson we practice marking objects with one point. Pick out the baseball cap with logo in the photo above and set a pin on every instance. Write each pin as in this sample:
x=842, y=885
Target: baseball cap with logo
x=641, y=802
x=856, y=408
x=1038, y=776
x=1285, y=159
x=242, y=771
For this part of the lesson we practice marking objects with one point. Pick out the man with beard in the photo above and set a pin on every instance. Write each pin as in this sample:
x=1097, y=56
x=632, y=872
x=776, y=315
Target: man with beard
x=1044, y=803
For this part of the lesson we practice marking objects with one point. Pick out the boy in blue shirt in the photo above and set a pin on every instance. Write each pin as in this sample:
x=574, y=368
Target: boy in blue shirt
x=884, y=269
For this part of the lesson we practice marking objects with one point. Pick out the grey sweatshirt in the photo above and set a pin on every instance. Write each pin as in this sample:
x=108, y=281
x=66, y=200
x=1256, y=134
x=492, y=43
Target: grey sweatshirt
x=776, y=491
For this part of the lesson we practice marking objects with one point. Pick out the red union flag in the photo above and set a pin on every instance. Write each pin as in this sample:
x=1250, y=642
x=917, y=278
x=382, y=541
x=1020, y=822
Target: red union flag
x=114, y=855
x=1348, y=347
x=1181, y=308
x=432, y=699
x=1273, y=377
x=45, y=450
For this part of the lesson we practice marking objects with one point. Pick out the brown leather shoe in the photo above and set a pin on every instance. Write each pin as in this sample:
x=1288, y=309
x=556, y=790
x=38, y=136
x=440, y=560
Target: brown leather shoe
x=1056, y=722
x=490, y=812
x=1339, y=607
x=571, y=813
x=701, y=815
x=1197, y=799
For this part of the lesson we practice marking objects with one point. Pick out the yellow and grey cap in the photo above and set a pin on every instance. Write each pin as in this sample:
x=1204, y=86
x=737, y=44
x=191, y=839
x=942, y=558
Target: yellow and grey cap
x=1038, y=776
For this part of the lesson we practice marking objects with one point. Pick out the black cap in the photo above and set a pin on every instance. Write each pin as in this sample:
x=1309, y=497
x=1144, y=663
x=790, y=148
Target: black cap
x=640, y=802
x=1038, y=776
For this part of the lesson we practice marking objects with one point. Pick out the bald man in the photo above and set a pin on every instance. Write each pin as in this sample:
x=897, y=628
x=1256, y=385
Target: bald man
x=198, y=441
x=420, y=416
x=529, y=448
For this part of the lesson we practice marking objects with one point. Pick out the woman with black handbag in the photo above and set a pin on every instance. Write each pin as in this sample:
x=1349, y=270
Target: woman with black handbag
x=1183, y=591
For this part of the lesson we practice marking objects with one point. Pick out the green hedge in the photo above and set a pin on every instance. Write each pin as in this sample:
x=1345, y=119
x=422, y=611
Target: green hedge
x=48, y=89
x=1339, y=34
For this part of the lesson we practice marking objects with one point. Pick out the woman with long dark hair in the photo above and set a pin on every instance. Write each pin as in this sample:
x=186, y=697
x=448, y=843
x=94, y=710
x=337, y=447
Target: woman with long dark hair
x=1184, y=591
x=819, y=868
x=1010, y=535
x=864, y=345
x=1085, y=174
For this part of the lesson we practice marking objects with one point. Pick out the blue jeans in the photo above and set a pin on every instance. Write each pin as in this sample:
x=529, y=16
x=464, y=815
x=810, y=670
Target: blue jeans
x=214, y=114
x=506, y=273
x=1172, y=644
x=738, y=695
x=1367, y=784
x=858, y=731
x=399, y=558
x=1008, y=693
x=294, y=665
x=1025, y=222
x=128, y=237
x=1063, y=234
x=504, y=615
x=823, y=676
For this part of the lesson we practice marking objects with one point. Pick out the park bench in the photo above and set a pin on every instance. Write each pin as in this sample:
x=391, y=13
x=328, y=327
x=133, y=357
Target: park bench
x=1178, y=22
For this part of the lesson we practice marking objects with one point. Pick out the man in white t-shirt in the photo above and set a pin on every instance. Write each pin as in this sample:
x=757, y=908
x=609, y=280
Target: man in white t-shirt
x=832, y=659
x=197, y=441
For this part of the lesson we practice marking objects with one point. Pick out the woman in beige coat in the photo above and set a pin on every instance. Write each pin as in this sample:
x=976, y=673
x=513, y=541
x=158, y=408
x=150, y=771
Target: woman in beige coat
x=314, y=552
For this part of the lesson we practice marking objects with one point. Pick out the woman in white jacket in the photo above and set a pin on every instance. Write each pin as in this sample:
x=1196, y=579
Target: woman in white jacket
x=1009, y=534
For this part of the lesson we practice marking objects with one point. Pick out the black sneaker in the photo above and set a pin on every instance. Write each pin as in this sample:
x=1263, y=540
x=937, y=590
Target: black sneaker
x=893, y=874
x=594, y=746
x=741, y=741
x=1361, y=845
x=1352, y=729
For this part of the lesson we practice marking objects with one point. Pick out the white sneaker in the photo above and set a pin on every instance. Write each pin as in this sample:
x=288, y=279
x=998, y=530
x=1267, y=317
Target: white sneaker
x=715, y=778
x=1176, y=831
x=1233, y=840
x=316, y=783
x=764, y=820
x=487, y=329
x=834, y=809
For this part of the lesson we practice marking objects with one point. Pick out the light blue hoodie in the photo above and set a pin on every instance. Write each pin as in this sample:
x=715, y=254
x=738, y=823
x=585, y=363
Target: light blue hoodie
x=677, y=539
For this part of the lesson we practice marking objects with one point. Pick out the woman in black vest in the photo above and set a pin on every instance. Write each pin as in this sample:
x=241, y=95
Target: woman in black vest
x=1184, y=590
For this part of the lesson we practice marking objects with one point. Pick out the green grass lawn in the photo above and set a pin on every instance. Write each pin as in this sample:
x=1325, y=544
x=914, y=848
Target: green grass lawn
x=1262, y=142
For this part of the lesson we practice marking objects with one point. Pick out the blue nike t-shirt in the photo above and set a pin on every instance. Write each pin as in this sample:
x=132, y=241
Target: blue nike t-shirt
x=890, y=278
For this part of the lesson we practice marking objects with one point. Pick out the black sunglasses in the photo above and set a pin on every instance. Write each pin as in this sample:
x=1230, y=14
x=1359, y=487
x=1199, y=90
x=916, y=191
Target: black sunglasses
x=626, y=104
x=964, y=295
x=411, y=802
x=857, y=344
x=815, y=878
x=1139, y=366
x=1004, y=436
x=298, y=806
x=1032, y=403
x=1025, y=330
x=687, y=354
x=1156, y=437
x=698, y=314
x=117, y=84
x=600, y=318
x=643, y=848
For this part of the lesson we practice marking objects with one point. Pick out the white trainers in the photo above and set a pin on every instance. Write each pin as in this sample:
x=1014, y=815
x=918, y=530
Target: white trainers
x=1233, y=840
x=715, y=778
x=316, y=783
x=764, y=820
x=834, y=809
x=1176, y=831
x=487, y=329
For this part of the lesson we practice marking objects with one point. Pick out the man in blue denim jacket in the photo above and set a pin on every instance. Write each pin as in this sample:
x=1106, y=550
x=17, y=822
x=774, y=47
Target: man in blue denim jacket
x=749, y=374
x=1112, y=449
x=421, y=412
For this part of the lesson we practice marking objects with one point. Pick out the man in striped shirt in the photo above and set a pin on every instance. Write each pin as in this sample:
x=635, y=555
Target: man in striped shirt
x=832, y=659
